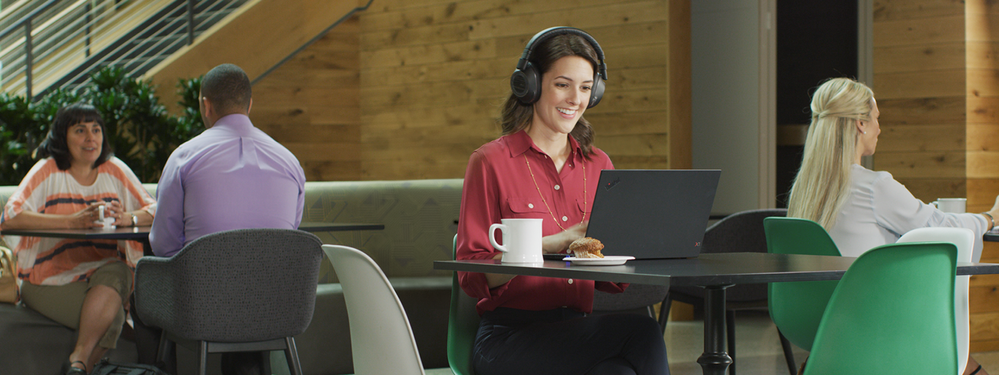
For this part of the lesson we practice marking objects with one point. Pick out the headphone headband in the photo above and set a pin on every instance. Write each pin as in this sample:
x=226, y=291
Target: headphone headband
x=552, y=32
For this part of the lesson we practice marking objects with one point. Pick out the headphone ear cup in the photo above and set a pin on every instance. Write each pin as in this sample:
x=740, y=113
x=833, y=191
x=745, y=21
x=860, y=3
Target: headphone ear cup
x=526, y=85
x=596, y=92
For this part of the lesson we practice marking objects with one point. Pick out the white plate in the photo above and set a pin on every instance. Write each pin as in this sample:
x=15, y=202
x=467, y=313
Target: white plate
x=609, y=260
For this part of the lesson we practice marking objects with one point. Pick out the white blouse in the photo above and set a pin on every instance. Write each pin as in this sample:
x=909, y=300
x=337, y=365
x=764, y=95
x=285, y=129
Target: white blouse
x=879, y=210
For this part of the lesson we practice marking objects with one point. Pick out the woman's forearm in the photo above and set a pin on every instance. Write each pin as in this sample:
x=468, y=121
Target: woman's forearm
x=34, y=220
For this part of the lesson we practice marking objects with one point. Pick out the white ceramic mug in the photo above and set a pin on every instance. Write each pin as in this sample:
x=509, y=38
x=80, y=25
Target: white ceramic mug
x=108, y=222
x=521, y=240
x=953, y=205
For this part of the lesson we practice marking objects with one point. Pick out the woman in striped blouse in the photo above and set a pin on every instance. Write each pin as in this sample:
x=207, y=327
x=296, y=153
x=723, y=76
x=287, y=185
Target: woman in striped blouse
x=82, y=284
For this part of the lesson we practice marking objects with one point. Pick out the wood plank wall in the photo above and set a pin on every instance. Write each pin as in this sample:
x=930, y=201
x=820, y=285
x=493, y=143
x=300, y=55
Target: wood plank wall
x=311, y=104
x=937, y=83
x=434, y=73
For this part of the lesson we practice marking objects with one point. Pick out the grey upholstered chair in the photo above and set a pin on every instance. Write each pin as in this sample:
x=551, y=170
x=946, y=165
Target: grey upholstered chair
x=737, y=233
x=233, y=291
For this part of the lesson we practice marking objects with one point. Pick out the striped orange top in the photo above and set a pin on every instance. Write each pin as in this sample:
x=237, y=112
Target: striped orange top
x=46, y=189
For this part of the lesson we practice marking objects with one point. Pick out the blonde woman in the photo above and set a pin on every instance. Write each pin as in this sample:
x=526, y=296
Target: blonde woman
x=860, y=208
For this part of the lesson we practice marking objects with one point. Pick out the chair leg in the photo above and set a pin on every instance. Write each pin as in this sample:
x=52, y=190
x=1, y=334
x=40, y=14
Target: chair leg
x=265, y=362
x=166, y=353
x=203, y=358
x=788, y=355
x=664, y=312
x=291, y=352
x=730, y=339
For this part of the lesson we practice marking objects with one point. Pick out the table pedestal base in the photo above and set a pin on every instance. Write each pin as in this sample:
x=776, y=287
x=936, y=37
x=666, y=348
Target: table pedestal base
x=714, y=360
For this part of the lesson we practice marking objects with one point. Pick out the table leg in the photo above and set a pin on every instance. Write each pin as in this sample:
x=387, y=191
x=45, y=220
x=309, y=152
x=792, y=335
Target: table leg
x=714, y=360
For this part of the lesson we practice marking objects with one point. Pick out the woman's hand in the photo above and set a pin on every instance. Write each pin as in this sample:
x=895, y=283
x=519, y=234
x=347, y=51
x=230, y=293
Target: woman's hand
x=995, y=210
x=86, y=218
x=559, y=242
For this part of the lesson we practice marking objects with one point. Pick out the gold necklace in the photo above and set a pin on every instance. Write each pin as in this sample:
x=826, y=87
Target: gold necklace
x=543, y=196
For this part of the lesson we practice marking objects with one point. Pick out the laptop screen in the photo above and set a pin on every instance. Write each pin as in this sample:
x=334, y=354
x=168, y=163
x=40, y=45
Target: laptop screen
x=653, y=214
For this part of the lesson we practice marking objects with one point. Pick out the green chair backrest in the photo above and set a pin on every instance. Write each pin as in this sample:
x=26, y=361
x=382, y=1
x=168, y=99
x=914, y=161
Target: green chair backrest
x=462, y=326
x=796, y=308
x=893, y=312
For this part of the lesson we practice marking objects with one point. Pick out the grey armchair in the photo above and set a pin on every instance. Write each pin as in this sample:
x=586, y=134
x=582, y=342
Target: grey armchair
x=233, y=291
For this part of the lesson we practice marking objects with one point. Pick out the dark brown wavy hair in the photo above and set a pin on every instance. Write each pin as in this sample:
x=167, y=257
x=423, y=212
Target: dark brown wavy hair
x=517, y=116
x=55, y=144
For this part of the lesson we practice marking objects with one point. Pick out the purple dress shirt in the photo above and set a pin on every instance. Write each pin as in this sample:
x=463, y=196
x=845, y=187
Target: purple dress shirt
x=232, y=176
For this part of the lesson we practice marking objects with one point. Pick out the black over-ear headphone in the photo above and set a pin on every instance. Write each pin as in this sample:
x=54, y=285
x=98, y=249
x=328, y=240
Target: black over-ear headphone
x=526, y=80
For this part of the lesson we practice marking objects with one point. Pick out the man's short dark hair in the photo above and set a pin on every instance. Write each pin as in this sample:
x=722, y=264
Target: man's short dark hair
x=228, y=88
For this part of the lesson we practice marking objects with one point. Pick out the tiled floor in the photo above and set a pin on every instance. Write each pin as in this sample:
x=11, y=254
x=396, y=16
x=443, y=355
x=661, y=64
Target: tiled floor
x=758, y=350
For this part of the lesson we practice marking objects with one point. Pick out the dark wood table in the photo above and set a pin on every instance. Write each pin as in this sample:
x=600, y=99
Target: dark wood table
x=715, y=272
x=141, y=233
x=119, y=233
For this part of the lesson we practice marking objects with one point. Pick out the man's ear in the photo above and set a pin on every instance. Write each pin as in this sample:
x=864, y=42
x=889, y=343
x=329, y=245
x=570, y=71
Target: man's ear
x=209, y=108
x=249, y=107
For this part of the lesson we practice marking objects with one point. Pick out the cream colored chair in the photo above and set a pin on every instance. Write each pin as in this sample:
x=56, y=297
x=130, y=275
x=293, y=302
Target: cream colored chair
x=381, y=339
x=964, y=239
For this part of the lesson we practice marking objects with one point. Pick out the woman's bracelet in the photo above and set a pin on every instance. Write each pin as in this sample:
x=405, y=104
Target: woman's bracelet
x=992, y=220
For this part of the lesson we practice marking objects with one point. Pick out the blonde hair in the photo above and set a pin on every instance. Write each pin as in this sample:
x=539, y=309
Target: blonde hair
x=823, y=182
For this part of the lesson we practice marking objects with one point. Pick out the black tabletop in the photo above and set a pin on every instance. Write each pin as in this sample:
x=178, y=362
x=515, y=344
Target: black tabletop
x=337, y=227
x=142, y=233
x=119, y=233
x=705, y=270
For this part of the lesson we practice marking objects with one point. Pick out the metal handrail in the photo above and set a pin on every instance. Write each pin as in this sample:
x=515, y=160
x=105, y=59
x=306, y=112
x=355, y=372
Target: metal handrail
x=55, y=49
x=27, y=19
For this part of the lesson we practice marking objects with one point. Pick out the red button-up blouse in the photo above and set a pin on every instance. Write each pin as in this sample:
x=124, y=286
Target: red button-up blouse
x=498, y=184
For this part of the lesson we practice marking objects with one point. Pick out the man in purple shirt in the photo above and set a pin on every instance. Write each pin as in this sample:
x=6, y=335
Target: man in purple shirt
x=232, y=176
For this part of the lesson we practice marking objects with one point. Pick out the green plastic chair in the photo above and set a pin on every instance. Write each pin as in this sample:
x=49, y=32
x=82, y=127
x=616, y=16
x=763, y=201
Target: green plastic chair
x=893, y=312
x=462, y=326
x=796, y=307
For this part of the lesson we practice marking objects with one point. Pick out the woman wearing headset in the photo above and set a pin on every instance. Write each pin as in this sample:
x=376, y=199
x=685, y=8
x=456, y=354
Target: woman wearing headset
x=544, y=166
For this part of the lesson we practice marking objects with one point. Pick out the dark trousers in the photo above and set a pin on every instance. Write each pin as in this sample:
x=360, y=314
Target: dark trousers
x=564, y=341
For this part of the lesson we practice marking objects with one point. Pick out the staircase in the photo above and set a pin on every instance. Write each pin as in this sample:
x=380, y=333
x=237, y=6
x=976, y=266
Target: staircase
x=69, y=39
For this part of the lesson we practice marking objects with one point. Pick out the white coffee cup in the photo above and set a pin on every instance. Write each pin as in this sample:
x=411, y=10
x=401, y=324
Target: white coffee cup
x=953, y=205
x=521, y=240
x=107, y=222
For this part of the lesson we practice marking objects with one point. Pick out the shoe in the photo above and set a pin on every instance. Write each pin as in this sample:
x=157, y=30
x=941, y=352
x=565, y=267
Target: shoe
x=76, y=370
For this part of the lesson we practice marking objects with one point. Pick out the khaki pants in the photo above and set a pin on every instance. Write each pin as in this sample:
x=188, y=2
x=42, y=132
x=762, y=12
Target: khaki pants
x=63, y=303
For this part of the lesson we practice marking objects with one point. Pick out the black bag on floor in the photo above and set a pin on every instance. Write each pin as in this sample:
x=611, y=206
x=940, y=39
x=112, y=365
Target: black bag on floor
x=107, y=368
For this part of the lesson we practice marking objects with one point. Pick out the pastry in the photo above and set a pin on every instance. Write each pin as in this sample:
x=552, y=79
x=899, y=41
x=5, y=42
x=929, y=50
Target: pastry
x=586, y=247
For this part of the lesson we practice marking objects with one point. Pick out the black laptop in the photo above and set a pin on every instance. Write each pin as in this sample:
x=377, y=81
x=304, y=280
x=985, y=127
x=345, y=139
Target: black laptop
x=653, y=214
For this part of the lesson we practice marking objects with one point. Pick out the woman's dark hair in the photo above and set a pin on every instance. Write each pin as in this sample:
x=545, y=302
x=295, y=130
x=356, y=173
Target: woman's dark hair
x=517, y=116
x=55, y=145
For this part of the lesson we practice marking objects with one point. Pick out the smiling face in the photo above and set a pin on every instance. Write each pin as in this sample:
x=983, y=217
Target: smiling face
x=565, y=92
x=84, y=140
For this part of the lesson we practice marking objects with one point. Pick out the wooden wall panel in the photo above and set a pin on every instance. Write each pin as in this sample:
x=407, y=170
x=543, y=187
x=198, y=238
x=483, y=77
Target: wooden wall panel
x=435, y=73
x=257, y=36
x=311, y=105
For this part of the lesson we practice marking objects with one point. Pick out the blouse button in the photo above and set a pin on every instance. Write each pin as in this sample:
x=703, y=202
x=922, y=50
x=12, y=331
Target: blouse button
x=570, y=281
x=565, y=218
x=557, y=187
x=530, y=205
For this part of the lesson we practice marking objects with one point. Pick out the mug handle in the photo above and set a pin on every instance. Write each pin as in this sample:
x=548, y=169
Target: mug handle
x=492, y=236
x=935, y=204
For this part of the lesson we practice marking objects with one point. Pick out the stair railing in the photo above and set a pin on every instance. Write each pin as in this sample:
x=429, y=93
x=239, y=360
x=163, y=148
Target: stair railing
x=59, y=34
